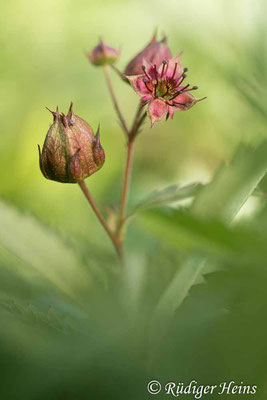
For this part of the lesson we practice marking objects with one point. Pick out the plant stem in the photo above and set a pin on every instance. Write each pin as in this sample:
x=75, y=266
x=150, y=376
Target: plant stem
x=126, y=181
x=115, y=240
x=138, y=120
x=131, y=135
x=114, y=99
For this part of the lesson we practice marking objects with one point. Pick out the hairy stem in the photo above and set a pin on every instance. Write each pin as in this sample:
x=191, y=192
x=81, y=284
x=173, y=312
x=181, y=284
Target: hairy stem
x=115, y=240
x=114, y=99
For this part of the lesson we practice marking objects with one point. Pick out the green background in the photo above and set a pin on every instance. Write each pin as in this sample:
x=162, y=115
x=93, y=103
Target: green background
x=95, y=342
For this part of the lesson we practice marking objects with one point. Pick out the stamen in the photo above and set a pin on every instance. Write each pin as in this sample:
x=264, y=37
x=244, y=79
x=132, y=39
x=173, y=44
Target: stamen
x=167, y=68
x=144, y=69
x=167, y=87
x=184, y=89
x=189, y=90
x=183, y=77
x=175, y=67
x=145, y=82
x=157, y=82
x=181, y=104
x=156, y=73
x=177, y=94
x=162, y=71
x=185, y=69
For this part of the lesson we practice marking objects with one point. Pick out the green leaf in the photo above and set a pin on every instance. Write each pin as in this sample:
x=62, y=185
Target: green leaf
x=37, y=258
x=168, y=195
x=221, y=199
x=222, y=319
x=189, y=234
x=232, y=185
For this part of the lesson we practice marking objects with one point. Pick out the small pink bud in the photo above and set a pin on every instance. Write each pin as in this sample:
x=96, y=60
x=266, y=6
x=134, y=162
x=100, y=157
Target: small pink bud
x=155, y=52
x=71, y=152
x=103, y=54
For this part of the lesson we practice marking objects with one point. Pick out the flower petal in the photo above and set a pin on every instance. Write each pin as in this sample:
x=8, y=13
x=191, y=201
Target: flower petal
x=184, y=101
x=170, y=67
x=164, y=54
x=157, y=110
x=170, y=110
x=147, y=97
x=150, y=69
x=137, y=82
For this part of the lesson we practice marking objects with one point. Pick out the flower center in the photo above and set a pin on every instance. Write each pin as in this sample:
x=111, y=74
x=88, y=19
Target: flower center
x=163, y=86
x=165, y=89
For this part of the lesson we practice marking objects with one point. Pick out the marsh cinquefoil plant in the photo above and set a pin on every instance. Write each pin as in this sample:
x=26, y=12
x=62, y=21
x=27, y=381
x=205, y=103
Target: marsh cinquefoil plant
x=72, y=152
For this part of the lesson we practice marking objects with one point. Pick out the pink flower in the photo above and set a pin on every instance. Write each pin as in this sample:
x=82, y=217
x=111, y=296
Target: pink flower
x=162, y=88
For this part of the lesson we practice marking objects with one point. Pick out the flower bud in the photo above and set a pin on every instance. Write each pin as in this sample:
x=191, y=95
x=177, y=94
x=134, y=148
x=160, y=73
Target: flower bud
x=155, y=52
x=71, y=152
x=103, y=54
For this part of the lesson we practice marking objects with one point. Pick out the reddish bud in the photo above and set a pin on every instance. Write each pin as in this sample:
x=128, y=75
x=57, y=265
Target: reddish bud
x=103, y=54
x=71, y=152
x=155, y=52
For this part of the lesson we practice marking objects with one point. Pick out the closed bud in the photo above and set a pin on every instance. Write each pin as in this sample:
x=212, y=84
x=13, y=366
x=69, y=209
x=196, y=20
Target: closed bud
x=103, y=54
x=71, y=152
x=155, y=52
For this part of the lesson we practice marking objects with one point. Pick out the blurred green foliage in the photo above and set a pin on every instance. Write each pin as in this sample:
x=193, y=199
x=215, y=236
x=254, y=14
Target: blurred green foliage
x=191, y=302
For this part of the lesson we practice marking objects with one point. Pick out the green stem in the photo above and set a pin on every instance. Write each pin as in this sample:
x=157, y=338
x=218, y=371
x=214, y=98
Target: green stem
x=138, y=120
x=115, y=240
x=126, y=183
x=114, y=100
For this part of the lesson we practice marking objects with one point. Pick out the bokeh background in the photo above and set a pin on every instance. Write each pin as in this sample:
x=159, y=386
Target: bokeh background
x=43, y=63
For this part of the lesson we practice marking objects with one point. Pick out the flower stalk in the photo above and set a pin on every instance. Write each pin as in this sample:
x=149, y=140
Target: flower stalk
x=114, y=99
x=115, y=240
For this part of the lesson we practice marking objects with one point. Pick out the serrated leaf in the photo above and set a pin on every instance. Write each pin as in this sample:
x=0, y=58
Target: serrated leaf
x=232, y=185
x=168, y=195
x=222, y=319
x=221, y=199
x=189, y=234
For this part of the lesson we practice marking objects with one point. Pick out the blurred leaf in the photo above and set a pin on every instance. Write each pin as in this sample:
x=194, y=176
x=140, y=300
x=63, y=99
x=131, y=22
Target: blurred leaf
x=221, y=199
x=168, y=195
x=190, y=234
x=232, y=185
x=220, y=325
x=254, y=95
x=31, y=252
x=30, y=315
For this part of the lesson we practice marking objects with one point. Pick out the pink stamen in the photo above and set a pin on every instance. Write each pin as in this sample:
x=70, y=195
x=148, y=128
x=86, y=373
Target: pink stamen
x=176, y=94
x=189, y=90
x=144, y=69
x=175, y=67
x=168, y=87
x=181, y=104
x=162, y=71
x=183, y=76
x=167, y=68
x=156, y=73
x=145, y=82
x=157, y=82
